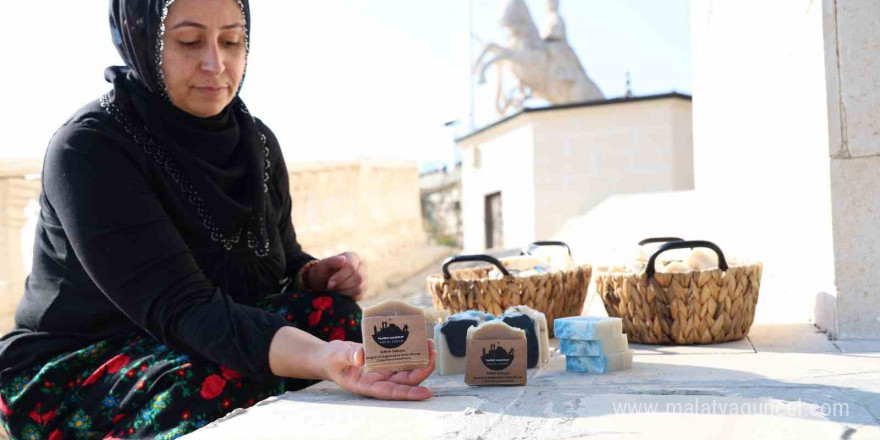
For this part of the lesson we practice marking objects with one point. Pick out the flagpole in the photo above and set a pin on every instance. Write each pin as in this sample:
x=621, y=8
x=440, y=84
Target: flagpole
x=471, y=120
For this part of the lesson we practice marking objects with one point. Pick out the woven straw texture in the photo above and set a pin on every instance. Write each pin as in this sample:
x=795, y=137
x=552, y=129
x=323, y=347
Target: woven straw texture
x=698, y=307
x=556, y=294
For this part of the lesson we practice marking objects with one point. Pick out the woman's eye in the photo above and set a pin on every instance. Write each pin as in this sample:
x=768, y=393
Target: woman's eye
x=233, y=43
x=188, y=43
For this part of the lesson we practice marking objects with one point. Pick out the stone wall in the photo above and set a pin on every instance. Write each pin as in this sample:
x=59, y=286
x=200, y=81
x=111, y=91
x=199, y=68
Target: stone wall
x=583, y=155
x=368, y=207
x=852, y=69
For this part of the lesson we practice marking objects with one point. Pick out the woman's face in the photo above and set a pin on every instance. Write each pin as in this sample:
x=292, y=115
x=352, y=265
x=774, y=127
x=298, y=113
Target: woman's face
x=204, y=54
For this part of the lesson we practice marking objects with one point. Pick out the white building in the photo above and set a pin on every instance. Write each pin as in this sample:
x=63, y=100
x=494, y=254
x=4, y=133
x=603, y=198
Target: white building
x=524, y=176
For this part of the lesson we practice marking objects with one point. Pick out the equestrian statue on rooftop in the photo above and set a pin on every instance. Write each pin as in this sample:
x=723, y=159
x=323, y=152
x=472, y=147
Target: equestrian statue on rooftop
x=544, y=63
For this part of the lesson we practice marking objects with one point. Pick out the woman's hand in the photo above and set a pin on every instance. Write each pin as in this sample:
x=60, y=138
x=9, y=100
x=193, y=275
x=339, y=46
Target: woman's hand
x=344, y=273
x=344, y=365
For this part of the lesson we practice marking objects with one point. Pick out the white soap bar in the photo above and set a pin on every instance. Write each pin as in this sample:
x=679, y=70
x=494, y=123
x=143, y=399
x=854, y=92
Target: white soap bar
x=524, y=262
x=702, y=259
x=556, y=256
x=447, y=361
x=600, y=364
x=540, y=329
x=589, y=328
x=575, y=347
x=673, y=267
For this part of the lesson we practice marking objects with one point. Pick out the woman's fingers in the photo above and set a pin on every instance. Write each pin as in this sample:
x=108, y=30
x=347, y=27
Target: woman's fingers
x=418, y=375
x=344, y=279
x=345, y=271
x=386, y=390
x=350, y=279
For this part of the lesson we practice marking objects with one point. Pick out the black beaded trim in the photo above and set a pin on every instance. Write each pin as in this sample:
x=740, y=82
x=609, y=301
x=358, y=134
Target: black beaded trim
x=157, y=152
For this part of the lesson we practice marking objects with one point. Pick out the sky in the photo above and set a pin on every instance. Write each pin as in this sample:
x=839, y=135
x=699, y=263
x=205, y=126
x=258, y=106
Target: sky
x=344, y=79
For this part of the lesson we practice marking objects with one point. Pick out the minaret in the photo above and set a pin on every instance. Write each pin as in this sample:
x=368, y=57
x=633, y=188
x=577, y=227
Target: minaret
x=629, y=91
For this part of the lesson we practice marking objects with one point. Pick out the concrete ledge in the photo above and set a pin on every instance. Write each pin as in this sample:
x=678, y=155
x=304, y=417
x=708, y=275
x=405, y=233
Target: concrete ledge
x=718, y=391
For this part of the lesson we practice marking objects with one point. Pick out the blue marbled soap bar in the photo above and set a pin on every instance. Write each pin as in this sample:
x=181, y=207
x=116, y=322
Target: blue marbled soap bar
x=599, y=364
x=590, y=328
x=577, y=347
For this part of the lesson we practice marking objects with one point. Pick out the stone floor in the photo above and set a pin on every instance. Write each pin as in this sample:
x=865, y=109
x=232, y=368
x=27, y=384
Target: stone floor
x=783, y=381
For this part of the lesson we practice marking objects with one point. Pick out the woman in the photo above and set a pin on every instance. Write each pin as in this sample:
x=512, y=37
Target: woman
x=168, y=287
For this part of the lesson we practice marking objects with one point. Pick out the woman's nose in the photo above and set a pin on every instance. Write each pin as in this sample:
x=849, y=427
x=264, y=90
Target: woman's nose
x=212, y=59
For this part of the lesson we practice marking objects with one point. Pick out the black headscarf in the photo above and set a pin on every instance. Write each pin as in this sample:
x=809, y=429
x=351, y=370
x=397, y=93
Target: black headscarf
x=137, y=27
x=220, y=162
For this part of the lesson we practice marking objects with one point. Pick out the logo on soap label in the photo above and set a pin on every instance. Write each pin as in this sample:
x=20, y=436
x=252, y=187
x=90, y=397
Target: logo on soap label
x=390, y=335
x=497, y=358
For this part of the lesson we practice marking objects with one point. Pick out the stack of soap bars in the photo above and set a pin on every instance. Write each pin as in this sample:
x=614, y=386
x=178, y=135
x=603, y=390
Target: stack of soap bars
x=593, y=344
x=450, y=337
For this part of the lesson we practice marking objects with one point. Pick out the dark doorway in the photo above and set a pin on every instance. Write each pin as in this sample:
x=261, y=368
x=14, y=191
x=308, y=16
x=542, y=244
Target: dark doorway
x=494, y=222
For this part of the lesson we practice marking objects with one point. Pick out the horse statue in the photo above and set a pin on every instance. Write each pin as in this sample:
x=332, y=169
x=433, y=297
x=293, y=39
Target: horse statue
x=544, y=63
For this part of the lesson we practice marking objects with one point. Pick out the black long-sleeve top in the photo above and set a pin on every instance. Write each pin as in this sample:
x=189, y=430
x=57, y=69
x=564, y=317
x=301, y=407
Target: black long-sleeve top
x=117, y=250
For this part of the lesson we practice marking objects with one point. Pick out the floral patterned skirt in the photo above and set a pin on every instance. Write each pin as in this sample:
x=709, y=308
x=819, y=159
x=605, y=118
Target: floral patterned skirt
x=135, y=387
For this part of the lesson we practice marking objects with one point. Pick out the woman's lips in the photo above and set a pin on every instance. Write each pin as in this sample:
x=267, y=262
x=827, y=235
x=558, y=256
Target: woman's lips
x=211, y=90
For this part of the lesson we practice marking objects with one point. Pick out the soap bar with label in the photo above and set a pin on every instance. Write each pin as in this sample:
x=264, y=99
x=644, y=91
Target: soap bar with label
x=496, y=355
x=576, y=347
x=527, y=324
x=394, y=337
x=589, y=328
x=541, y=330
x=605, y=363
x=450, y=340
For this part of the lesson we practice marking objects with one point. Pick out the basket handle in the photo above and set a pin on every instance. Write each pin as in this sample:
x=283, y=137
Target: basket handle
x=722, y=262
x=659, y=240
x=528, y=249
x=466, y=258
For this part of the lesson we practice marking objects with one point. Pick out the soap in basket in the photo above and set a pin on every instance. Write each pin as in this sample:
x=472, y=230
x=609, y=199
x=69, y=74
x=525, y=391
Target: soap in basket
x=394, y=337
x=450, y=340
x=590, y=328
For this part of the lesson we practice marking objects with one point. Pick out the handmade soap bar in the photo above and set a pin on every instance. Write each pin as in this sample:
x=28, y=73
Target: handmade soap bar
x=394, y=337
x=587, y=328
x=605, y=363
x=496, y=355
x=479, y=314
x=527, y=324
x=524, y=262
x=673, y=267
x=540, y=329
x=702, y=259
x=575, y=347
x=432, y=318
x=450, y=340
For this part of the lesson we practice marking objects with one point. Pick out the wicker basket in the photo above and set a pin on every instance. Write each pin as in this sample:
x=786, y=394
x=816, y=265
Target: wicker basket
x=556, y=294
x=698, y=307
